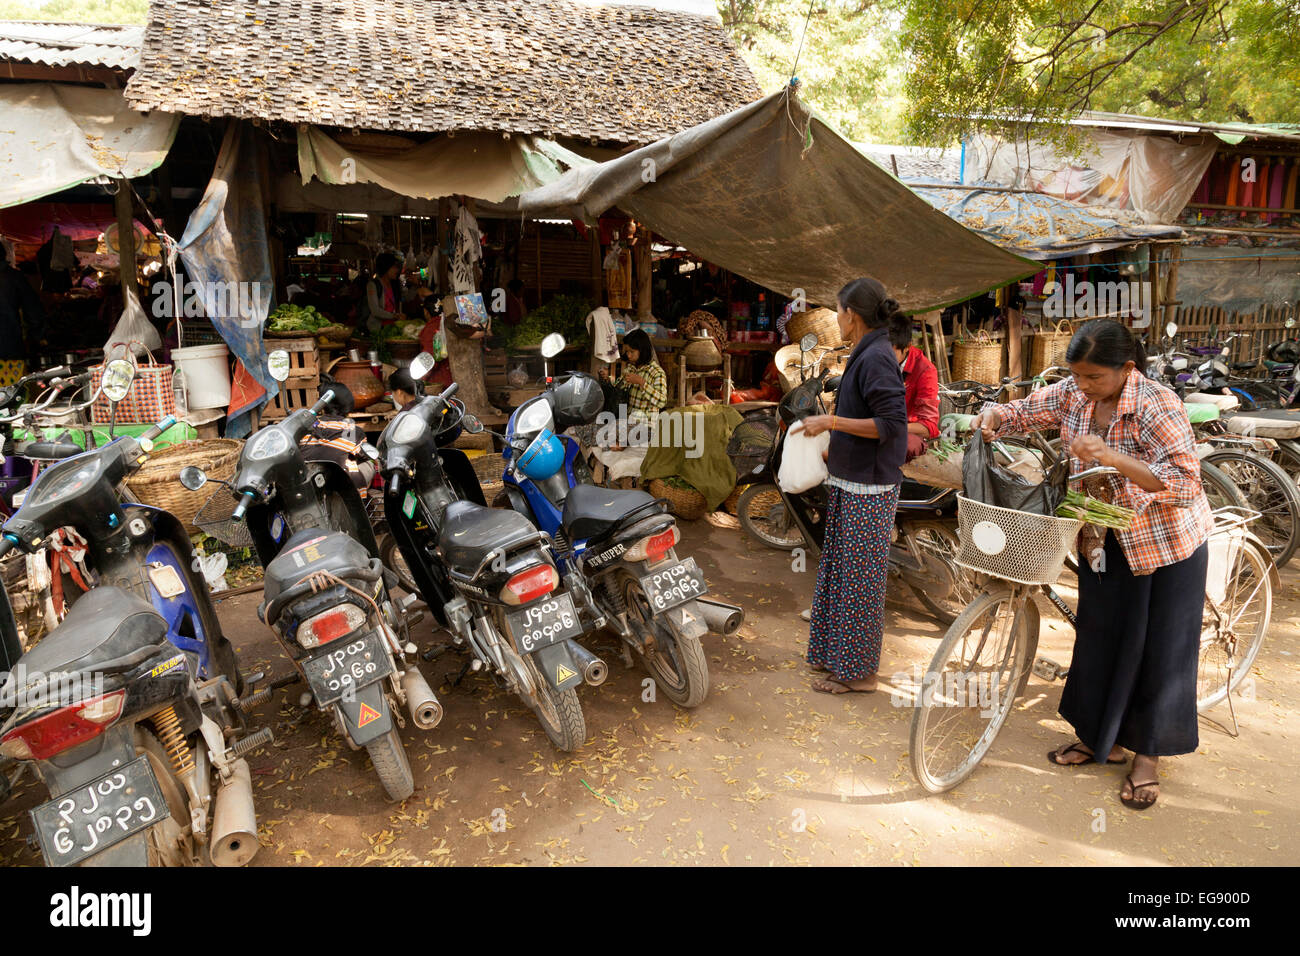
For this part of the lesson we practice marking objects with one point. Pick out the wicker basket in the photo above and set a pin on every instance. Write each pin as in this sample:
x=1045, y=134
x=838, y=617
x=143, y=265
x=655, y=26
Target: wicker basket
x=787, y=360
x=1014, y=545
x=686, y=503
x=699, y=322
x=977, y=359
x=158, y=484
x=820, y=321
x=488, y=468
x=732, y=504
x=1048, y=347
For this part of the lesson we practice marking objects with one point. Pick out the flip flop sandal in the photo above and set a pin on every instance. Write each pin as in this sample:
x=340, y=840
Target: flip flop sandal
x=1076, y=747
x=828, y=686
x=1133, y=802
x=819, y=668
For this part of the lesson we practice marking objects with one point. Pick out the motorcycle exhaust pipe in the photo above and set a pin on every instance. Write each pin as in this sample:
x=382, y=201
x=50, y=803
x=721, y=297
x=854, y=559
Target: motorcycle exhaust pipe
x=234, y=823
x=426, y=712
x=722, y=618
x=594, y=670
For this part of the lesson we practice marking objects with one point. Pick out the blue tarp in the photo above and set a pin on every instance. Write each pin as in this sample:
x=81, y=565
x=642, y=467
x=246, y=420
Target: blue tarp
x=225, y=250
x=1038, y=226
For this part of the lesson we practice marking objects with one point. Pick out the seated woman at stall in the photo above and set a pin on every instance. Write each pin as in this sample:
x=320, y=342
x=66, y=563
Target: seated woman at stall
x=383, y=302
x=643, y=378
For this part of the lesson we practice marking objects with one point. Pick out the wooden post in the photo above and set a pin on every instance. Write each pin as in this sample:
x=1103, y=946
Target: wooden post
x=1154, y=278
x=643, y=273
x=126, y=240
x=1015, y=362
x=1171, y=289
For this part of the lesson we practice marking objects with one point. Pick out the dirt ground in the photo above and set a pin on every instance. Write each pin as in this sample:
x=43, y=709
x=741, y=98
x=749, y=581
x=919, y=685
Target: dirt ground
x=765, y=772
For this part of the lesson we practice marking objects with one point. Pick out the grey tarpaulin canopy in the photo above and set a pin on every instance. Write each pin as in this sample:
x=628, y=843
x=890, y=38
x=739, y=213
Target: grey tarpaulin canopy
x=774, y=194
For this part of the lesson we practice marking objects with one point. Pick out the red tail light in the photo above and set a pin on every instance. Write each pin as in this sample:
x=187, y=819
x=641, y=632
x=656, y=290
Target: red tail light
x=530, y=585
x=62, y=729
x=330, y=625
x=654, y=547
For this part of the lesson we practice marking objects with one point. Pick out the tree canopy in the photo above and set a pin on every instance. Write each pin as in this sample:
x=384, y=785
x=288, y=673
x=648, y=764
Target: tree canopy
x=78, y=11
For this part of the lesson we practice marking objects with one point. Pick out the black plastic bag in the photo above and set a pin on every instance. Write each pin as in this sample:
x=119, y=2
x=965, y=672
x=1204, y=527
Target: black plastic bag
x=990, y=483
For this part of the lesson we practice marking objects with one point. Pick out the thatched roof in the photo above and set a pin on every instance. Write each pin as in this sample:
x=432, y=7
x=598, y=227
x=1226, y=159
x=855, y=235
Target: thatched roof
x=626, y=74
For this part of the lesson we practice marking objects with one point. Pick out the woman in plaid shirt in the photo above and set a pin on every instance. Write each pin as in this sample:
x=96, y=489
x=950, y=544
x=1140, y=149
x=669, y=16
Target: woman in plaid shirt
x=1132, y=681
x=644, y=378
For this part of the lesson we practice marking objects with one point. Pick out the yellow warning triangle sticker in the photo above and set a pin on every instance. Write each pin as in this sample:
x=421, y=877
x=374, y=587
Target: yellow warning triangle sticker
x=562, y=674
x=368, y=715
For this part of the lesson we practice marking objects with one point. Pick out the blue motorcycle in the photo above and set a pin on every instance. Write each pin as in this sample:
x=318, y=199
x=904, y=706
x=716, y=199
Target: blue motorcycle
x=616, y=548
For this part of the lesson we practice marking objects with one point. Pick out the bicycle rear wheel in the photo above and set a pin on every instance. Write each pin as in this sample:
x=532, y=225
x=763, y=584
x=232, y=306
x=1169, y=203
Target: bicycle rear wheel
x=1219, y=489
x=1269, y=490
x=1232, y=636
x=973, y=681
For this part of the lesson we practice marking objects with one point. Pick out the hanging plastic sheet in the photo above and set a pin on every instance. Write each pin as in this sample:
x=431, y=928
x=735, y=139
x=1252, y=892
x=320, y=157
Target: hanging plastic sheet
x=224, y=249
x=54, y=137
x=772, y=193
x=1154, y=176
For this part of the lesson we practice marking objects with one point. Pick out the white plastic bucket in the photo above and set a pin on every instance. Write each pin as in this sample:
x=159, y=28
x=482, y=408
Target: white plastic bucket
x=206, y=369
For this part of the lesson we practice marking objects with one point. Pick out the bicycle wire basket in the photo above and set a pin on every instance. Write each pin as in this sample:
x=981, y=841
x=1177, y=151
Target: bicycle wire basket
x=1014, y=545
x=214, y=519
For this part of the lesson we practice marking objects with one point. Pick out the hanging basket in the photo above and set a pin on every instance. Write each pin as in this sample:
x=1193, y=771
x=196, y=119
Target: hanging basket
x=977, y=359
x=157, y=483
x=1049, y=346
x=820, y=321
x=686, y=503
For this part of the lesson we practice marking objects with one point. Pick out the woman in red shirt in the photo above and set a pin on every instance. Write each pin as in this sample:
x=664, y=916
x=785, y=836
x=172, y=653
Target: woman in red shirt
x=921, y=385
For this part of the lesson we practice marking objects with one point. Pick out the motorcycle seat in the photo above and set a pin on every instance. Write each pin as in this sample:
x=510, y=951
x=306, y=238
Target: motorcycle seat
x=471, y=532
x=1265, y=423
x=307, y=552
x=1242, y=366
x=591, y=512
x=107, y=630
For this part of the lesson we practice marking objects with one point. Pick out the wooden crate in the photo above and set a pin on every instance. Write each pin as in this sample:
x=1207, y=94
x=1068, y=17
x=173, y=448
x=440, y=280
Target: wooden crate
x=304, y=361
x=290, y=399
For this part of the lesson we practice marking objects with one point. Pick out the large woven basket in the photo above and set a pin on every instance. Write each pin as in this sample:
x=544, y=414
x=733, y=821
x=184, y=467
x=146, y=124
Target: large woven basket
x=489, y=469
x=158, y=483
x=686, y=503
x=977, y=359
x=701, y=321
x=820, y=321
x=1048, y=347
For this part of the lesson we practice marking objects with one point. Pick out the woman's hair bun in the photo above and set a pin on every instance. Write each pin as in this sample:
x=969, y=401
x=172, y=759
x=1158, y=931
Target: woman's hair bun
x=887, y=309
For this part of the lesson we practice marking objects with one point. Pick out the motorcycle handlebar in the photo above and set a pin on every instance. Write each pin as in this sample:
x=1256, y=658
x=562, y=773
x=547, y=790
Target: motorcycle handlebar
x=6, y=545
x=395, y=482
x=449, y=391
x=155, y=430
x=323, y=401
x=48, y=374
x=245, y=500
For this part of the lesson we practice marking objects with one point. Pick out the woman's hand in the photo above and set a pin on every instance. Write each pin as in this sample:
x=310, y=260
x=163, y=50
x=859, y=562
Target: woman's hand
x=1088, y=448
x=814, y=425
x=988, y=422
x=634, y=378
x=602, y=373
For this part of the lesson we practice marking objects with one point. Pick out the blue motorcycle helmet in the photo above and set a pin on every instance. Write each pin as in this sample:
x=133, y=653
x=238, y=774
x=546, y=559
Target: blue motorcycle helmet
x=543, y=457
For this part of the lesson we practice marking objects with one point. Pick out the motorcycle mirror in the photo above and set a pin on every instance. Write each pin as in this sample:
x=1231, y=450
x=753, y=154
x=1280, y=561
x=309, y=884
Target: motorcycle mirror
x=370, y=451
x=422, y=365
x=471, y=424
x=193, y=477
x=808, y=342
x=1171, y=329
x=118, y=376
x=277, y=363
x=552, y=345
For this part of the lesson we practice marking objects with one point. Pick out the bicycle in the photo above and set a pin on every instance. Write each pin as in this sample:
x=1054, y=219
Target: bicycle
x=987, y=654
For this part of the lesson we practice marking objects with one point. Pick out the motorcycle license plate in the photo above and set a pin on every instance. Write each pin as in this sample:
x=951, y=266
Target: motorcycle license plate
x=544, y=622
x=347, y=666
x=668, y=587
x=99, y=814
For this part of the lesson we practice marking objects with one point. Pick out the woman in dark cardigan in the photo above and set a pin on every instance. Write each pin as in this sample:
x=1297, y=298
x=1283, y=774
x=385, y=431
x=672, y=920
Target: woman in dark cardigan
x=868, y=446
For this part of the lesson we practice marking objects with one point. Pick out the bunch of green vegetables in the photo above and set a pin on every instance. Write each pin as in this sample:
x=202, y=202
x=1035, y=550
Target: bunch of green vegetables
x=295, y=318
x=1081, y=507
x=566, y=314
x=943, y=449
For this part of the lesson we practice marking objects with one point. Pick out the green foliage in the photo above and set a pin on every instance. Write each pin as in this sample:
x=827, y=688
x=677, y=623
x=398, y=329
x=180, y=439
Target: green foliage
x=566, y=314
x=78, y=11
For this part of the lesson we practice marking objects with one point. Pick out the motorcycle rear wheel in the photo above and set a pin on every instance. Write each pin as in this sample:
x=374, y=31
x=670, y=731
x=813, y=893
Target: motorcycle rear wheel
x=678, y=665
x=766, y=519
x=394, y=770
x=558, y=711
x=941, y=541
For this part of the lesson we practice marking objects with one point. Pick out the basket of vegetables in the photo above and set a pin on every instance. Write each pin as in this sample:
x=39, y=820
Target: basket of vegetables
x=294, y=322
x=682, y=498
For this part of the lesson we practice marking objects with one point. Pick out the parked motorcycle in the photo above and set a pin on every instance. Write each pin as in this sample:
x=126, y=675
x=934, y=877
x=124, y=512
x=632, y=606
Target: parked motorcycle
x=925, y=545
x=128, y=710
x=488, y=574
x=326, y=593
x=617, y=548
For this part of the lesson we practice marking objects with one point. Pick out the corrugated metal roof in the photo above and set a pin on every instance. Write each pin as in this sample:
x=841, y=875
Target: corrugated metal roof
x=71, y=44
x=1231, y=132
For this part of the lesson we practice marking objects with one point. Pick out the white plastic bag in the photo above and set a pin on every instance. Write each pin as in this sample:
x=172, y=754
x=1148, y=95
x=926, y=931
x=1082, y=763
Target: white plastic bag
x=802, y=465
x=134, y=327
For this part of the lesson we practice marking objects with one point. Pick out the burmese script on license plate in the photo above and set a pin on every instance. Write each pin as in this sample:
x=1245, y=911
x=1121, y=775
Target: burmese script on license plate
x=668, y=587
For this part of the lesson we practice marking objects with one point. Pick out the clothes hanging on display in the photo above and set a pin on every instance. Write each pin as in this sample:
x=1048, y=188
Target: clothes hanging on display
x=468, y=253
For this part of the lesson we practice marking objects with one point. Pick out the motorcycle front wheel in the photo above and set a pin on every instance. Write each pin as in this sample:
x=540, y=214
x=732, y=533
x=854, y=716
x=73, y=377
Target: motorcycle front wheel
x=678, y=664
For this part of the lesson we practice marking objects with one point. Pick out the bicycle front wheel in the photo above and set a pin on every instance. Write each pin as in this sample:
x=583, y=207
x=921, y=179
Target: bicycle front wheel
x=1269, y=490
x=973, y=681
x=1233, y=630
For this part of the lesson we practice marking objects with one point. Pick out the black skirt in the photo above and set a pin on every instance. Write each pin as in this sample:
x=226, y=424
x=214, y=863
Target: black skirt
x=1132, y=679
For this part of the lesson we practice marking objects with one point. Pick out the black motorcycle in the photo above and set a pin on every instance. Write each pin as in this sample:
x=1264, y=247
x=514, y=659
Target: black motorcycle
x=488, y=574
x=127, y=710
x=326, y=592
